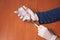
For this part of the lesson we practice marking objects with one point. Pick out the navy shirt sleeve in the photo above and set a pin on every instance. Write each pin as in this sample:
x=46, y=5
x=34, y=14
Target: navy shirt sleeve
x=49, y=16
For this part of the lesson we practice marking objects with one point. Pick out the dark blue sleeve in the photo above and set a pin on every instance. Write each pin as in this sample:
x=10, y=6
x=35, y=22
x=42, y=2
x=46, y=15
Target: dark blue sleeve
x=49, y=16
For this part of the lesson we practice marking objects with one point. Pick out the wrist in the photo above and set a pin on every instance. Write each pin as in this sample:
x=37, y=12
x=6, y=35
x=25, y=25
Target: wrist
x=53, y=37
x=36, y=17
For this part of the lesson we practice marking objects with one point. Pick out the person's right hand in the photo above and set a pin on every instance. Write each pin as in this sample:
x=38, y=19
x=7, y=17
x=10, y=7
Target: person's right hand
x=45, y=33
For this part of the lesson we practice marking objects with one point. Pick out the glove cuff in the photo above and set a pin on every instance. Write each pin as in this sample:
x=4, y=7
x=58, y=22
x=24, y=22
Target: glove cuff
x=53, y=37
x=36, y=17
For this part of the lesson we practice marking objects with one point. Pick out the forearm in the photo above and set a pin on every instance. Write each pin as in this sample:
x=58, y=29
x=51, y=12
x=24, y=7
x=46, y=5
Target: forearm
x=49, y=16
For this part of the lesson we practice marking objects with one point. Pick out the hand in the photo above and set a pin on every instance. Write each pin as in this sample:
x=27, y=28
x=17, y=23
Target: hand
x=33, y=15
x=22, y=14
x=45, y=33
x=26, y=14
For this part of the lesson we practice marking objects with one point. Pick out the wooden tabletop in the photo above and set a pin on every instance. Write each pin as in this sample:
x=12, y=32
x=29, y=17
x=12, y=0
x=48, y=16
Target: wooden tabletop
x=12, y=28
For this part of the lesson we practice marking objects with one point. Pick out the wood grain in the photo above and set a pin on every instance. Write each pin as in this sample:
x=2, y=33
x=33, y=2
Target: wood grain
x=12, y=28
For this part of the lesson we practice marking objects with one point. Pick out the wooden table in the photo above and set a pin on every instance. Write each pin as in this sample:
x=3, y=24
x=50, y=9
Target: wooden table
x=12, y=28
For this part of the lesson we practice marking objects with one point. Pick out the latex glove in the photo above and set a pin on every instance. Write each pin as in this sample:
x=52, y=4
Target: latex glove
x=45, y=33
x=26, y=14
x=33, y=15
x=23, y=14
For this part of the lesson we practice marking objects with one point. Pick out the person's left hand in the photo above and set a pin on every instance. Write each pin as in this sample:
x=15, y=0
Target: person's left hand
x=26, y=14
x=45, y=33
x=22, y=14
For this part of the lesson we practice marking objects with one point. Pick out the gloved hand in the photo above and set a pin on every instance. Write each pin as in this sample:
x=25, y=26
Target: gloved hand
x=22, y=14
x=26, y=14
x=45, y=33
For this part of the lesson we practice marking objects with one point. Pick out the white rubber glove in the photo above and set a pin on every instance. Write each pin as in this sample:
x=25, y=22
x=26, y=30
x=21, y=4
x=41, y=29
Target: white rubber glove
x=45, y=33
x=26, y=14
x=23, y=14
x=33, y=15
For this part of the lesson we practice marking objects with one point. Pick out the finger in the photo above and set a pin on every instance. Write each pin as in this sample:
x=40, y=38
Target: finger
x=25, y=7
x=41, y=35
x=18, y=14
x=15, y=12
x=41, y=32
x=21, y=17
x=35, y=24
x=26, y=18
x=41, y=27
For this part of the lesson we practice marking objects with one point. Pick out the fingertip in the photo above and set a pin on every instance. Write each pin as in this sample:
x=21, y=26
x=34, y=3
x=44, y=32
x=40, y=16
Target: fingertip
x=24, y=7
x=21, y=17
x=18, y=15
x=15, y=12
